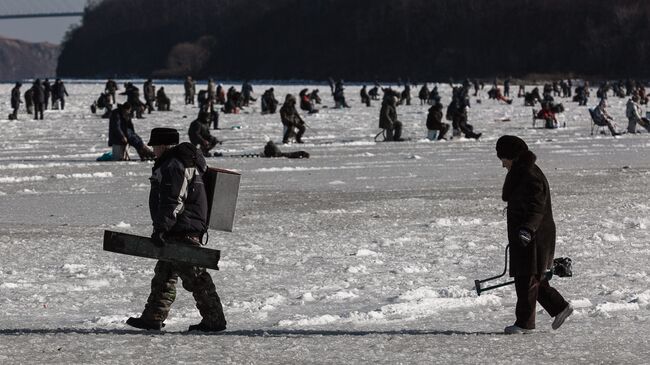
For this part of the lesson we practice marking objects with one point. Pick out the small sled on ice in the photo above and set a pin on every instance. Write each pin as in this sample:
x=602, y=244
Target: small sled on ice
x=561, y=268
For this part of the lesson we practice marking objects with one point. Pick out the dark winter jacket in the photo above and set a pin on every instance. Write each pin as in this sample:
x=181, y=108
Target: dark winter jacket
x=528, y=196
x=15, y=97
x=289, y=115
x=434, y=118
x=59, y=91
x=118, y=124
x=199, y=132
x=178, y=202
x=38, y=95
x=387, y=116
x=149, y=91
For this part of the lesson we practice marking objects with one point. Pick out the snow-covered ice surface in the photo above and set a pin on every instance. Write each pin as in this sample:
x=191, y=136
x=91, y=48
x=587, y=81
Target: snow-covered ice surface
x=365, y=253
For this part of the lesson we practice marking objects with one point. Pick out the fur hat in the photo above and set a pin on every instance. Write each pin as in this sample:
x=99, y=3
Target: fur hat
x=510, y=147
x=163, y=137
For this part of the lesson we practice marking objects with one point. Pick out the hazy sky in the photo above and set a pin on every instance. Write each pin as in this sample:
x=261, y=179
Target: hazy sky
x=40, y=29
x=37, y=30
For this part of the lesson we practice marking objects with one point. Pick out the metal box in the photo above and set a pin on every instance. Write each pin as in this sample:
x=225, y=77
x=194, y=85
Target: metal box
x=222, y=188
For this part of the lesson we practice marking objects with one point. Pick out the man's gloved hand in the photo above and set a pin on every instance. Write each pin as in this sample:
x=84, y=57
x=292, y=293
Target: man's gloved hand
x=158, y=238
x=525, y=236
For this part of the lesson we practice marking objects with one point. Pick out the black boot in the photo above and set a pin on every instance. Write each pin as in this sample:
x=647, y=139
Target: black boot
x=145, y=324
x=207, y=327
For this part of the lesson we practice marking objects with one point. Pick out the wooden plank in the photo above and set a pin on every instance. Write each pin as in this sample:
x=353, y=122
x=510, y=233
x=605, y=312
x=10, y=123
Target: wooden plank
x=133, y=245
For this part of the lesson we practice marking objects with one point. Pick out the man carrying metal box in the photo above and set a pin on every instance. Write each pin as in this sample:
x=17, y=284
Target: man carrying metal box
x=179, y=208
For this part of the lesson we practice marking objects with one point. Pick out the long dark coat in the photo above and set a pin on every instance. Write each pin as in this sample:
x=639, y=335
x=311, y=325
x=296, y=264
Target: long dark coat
x=529, y=206
x=387, y=116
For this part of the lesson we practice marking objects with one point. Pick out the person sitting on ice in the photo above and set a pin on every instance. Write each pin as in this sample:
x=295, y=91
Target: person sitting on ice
x=314, y=97
x=269, y=102
x=162, y=100
x=305, y=102
x=495, y=93
x=199, y=133
x=121, y=133
x=388, y=120
x=601, y=114
x=436, y=128
x=548, y=115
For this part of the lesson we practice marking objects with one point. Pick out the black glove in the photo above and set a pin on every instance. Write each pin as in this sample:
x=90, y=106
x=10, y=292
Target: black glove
x=525, y=236
x=158, y=238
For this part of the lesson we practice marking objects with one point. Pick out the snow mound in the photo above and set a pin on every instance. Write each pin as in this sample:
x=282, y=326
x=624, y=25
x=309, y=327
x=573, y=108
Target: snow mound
x=365, y=252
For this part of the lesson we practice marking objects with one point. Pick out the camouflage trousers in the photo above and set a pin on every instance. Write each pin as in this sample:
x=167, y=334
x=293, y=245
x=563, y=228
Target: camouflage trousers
x=195, y=280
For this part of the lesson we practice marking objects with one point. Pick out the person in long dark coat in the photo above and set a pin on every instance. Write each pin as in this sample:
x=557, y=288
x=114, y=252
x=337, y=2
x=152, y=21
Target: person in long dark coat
x=388, y=120
x=38, y=98
x=15, y=100
x=531, y=235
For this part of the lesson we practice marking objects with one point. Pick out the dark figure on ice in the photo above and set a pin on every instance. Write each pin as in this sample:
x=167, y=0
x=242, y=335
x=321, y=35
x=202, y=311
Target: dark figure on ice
x=313, y=96
x=103, y=102
x=220, y=95
x=190, y=90
x=149, y=90
x=434, y=96
x=291, y=120
x=423, y=95
x=29, y=100
x=531, y=235
x=457, y=113
x=435, y=127
x=388, y=120
x=339, y=95
x=582, y=94
x=199, y=133
x=111, y=88
x=59, y=94
x=305, y=102
x=233, y=102
x=271, y=151
x=38, y=98
x=365, y=98
x=133, y=98
x=247, y=93
x=374, y=93
x=632, y=112
x=533, y=97
x=47, y=87
x=405, y=97
x=548, y=115
x=178, y=205
x=163, y=103
x=15, y=101
x=269, y=103
x=602, y=117
x=121, y=133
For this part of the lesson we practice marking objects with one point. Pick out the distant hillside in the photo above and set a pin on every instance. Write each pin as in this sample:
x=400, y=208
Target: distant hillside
x=21, y=60
x=359, y=40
